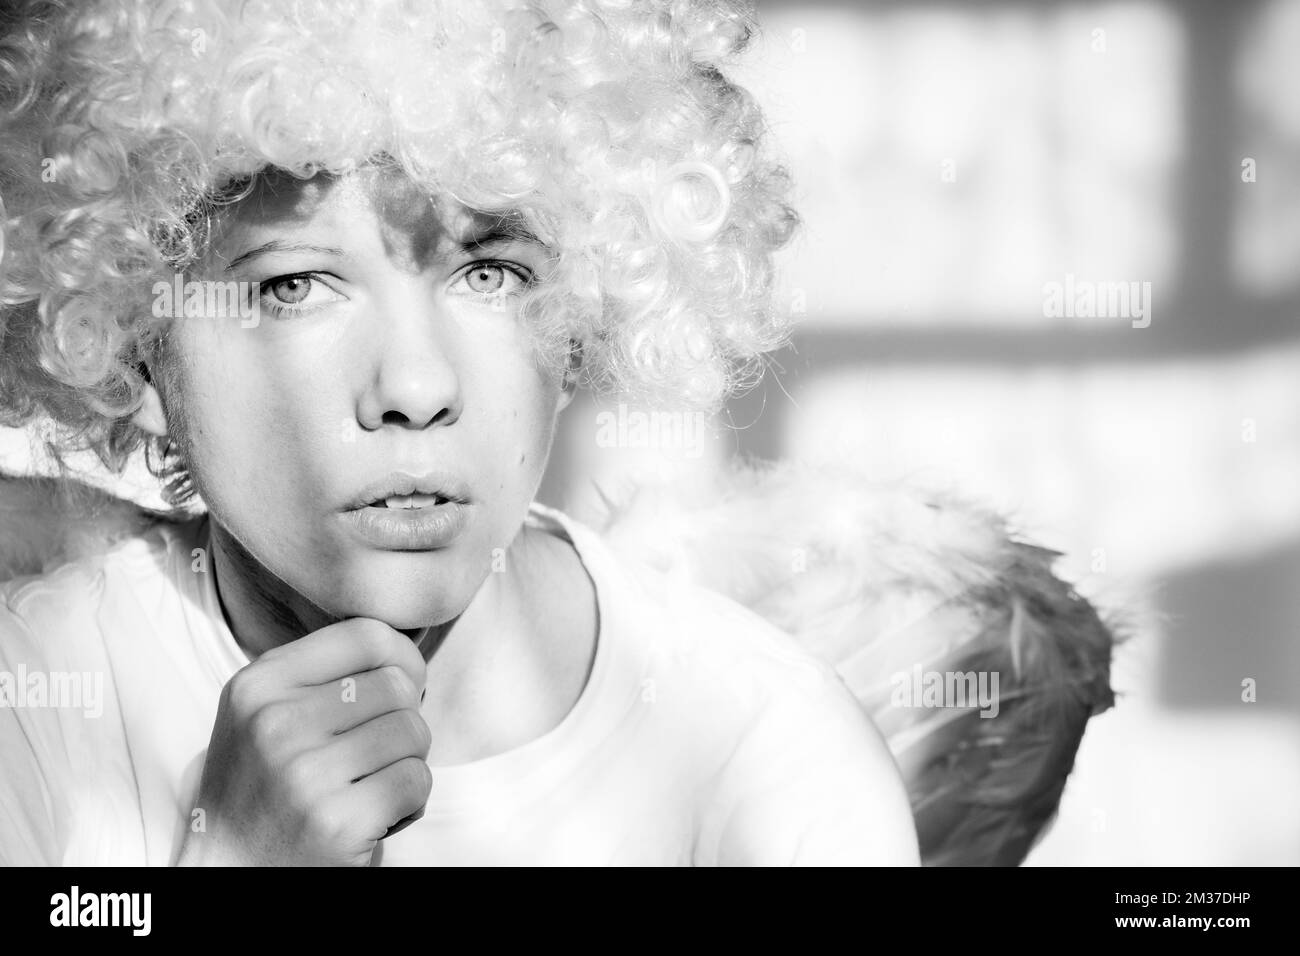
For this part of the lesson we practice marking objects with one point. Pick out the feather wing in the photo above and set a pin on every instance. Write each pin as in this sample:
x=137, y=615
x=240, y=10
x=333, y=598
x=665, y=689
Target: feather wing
x=45, y=521
x=881, y=580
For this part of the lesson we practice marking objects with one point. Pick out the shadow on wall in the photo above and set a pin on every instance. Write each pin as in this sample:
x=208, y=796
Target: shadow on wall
x=1230, y=622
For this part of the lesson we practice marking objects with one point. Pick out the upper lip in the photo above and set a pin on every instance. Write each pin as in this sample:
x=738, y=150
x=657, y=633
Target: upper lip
x=440, y=483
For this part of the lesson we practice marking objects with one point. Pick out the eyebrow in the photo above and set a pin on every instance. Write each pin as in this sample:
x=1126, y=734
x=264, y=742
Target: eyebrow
x=279, y=245
x=499, y=232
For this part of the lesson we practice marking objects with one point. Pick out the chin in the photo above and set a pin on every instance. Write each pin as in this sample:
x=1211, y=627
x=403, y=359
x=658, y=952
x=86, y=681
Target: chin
x=405, y=611
x=404, y=589
x=405, y=598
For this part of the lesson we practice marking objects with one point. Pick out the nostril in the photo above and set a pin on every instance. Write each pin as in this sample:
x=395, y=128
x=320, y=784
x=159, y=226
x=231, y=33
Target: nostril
x=443, y=417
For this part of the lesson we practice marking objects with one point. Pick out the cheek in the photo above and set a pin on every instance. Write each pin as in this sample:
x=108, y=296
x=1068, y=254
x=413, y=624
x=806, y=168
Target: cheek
x=513, y=426
x=528, y=417
x=256, y=425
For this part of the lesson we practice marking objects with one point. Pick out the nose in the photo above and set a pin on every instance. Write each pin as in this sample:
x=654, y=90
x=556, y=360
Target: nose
x=414, y=380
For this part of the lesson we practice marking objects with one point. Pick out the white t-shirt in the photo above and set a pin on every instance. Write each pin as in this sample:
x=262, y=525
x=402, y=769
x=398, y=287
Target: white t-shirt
x=703, y=736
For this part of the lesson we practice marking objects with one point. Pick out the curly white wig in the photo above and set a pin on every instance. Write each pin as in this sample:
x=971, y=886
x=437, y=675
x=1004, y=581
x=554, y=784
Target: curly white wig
x=607, y=126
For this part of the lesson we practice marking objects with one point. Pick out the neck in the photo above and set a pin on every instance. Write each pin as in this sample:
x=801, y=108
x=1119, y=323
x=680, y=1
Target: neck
x=509, y=668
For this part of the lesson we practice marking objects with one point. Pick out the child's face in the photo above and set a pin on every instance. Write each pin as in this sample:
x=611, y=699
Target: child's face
x=385, y=351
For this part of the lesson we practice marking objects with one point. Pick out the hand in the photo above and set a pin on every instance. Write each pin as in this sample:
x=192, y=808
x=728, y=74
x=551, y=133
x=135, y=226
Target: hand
x=318, y=750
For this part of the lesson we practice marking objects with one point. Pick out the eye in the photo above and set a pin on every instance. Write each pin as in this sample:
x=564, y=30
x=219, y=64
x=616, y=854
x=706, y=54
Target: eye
x=490, y=279
x=290, y=290
x=295, y=293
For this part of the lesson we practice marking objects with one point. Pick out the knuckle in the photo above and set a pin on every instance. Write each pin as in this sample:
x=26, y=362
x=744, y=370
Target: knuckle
x=329, y=824
x=415, y=729
x=414, y=780
x=242, y=692
x=274, y=653
x=268, y=724
x=422, y=778
x=374, y=636
x=399, y=685
x=300, y=775
x=415, y=660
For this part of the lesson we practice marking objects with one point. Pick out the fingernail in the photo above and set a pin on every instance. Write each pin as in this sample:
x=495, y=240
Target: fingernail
x=402, y=824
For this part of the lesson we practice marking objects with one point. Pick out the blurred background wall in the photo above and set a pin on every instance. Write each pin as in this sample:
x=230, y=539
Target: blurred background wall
x=954, y=160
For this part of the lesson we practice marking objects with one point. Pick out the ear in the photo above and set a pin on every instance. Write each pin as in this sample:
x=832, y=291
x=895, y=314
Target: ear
x=569, y=384
x=567, y=391
x=149, y=416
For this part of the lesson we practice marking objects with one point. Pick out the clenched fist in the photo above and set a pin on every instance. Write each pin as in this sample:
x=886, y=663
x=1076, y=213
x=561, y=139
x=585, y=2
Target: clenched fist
x=318, y=750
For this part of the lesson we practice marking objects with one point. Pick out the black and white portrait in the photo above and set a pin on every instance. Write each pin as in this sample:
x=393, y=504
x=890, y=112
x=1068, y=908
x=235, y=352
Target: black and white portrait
x=649, y=432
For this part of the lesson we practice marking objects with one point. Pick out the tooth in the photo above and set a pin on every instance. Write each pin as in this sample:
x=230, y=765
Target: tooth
x=410, y=501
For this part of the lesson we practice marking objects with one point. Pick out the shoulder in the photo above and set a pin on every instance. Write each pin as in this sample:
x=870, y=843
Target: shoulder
x=809, y=779
x=64, y=608
x=797, y=772
x=692, y=630
x=731, y=674
x=68, y=792
x=744, y=655
x=44, y=614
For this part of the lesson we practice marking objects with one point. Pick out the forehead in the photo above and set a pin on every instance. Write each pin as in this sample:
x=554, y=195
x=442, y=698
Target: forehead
x=414, y=224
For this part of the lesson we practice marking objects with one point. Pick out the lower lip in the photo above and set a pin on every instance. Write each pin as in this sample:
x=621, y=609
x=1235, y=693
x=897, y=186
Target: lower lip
x=410, y=529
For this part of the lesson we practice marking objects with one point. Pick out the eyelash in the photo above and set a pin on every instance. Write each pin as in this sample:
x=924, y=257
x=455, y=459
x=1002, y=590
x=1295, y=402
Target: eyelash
x=282, y=309
x=524, y=276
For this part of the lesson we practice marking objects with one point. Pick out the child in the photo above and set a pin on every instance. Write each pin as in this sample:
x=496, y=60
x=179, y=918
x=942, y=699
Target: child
x=339, y=268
